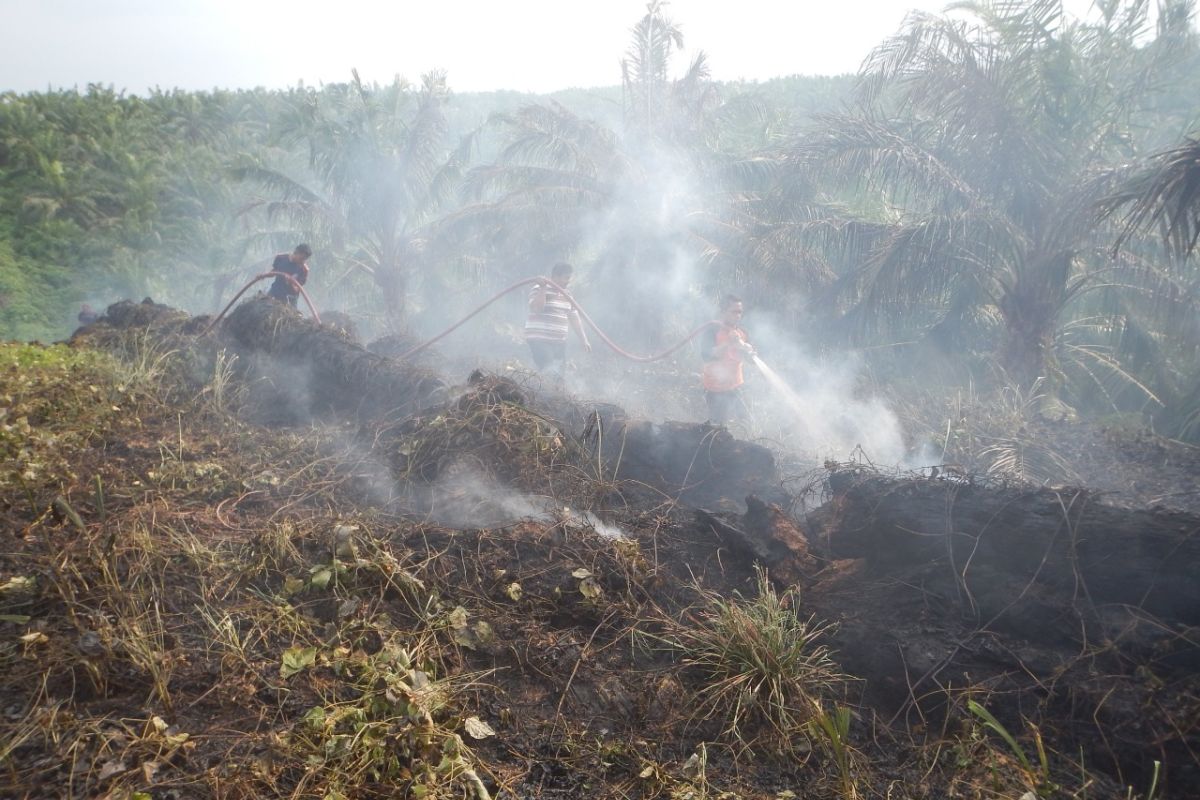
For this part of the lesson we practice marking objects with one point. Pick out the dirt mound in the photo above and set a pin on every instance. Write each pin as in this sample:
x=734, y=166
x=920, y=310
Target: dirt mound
x=320, y=370
x=1055, y=607
x=294, y=369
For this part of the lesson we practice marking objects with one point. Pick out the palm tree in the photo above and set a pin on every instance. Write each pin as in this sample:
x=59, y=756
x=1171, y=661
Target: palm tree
x=378, y=169
x=1164, y=196
x=974, y=163
x=636, y=204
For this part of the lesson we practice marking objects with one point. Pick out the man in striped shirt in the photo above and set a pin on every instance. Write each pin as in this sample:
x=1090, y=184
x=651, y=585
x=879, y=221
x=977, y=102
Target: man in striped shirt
x=551, y=315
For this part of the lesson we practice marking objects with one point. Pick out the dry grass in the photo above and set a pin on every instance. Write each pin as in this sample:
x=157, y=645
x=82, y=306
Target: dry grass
x=995, y=435
x=228, y=611
x=763, y=669
x=148, y=593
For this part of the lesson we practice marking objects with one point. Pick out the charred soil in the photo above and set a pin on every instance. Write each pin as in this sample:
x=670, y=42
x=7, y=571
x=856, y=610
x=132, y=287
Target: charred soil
x=203, y=595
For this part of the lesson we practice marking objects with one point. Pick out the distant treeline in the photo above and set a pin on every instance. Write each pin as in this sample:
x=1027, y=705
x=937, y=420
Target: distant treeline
x=105, y=195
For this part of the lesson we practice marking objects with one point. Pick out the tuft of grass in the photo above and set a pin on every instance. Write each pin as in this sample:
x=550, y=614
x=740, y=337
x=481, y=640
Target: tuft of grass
x=1039, y=776
x=832, y=730
x=764, y=668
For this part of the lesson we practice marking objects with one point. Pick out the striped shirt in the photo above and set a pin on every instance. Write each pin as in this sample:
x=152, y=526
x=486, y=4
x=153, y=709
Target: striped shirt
x=552, y=322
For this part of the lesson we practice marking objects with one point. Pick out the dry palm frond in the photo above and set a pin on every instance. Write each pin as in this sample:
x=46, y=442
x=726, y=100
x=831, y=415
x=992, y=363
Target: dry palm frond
x=1166, y=196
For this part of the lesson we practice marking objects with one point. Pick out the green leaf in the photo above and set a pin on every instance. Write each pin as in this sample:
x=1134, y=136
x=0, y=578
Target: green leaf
x=19, y=619
x=321, y=577
x=292, y=585
x=989, y=721
x=590, y=589
x=315, y=717
x=297, y=659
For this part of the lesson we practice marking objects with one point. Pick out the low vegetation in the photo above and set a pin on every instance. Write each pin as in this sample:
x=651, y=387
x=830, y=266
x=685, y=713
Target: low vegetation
x=191, y=605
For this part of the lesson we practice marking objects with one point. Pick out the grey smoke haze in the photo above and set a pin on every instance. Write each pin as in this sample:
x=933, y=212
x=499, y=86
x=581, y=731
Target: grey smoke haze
x=815, y=409
x=464, y=497
x=823, y=413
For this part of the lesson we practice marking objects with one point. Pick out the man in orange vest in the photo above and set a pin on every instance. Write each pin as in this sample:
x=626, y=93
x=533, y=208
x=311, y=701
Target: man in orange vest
x=724, y=348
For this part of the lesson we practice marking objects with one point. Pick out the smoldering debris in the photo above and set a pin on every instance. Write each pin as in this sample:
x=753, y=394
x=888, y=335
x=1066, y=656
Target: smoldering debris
x=464, y=498
x=344, y=377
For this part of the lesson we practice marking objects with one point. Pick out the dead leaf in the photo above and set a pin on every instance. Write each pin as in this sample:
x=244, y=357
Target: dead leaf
x=477, y=728
x=112, y=767
x=590, y=589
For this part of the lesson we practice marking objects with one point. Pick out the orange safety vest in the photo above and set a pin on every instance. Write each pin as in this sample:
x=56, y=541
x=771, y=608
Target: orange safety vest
x=723, y=372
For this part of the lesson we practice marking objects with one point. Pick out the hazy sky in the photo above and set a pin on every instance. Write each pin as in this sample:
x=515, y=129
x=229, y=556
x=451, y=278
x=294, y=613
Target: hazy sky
x=529, y=45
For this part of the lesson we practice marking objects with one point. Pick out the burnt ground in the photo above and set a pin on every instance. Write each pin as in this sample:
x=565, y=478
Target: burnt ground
x=218, y=586
x=1130, y=466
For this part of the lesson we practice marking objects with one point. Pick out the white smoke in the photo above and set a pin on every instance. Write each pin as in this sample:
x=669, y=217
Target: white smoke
x=815, y=407
x=464, y=497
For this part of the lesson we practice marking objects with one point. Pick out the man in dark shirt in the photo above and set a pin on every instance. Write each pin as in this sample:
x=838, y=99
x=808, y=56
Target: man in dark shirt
x=294, y=264
x=87, y=315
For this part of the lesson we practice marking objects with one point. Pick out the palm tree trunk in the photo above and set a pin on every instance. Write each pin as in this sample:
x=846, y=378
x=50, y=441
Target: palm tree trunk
x=1030, y=311
x=392, y=280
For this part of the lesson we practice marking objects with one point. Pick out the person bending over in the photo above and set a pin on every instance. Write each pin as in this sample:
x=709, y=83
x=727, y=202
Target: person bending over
x=294, y=264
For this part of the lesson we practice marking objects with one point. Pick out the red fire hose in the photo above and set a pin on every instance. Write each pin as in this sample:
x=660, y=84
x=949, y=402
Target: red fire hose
x=295, y=285
x=582, y=313
x=603, y=336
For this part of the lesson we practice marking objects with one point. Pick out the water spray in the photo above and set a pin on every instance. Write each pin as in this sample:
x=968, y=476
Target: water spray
x=779, y=384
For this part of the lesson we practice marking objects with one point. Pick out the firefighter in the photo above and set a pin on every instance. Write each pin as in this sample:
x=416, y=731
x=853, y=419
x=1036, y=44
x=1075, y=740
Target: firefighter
x=551, y=317
x=87, y=315
x=294, y=264
x=724, y=347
